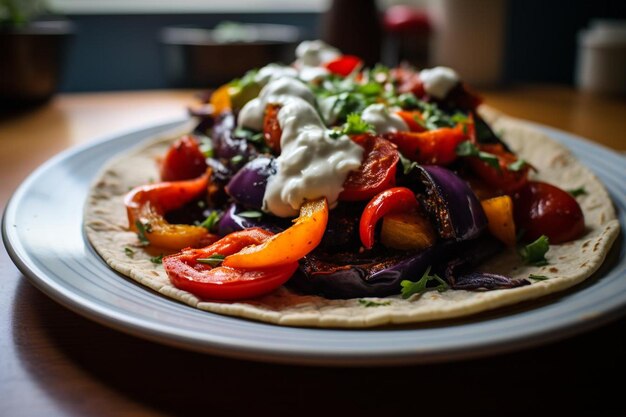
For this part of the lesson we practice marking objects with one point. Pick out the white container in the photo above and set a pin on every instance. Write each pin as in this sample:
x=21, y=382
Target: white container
x=601, y=66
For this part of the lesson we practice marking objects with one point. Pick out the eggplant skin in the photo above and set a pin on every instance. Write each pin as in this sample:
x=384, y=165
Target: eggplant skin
x=368, y=274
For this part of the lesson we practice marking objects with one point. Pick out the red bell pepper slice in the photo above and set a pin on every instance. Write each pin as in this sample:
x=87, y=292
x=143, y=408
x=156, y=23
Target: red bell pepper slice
x=146, y=205
x=433, y=147
x=396, y=199
x=344, y=65
x=199, y=271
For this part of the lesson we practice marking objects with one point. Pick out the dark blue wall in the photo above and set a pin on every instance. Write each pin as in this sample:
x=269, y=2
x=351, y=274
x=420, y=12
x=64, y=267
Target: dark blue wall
x=116, y=52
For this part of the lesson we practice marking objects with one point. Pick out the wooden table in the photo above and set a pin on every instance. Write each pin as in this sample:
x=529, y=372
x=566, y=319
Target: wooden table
x=54, y=362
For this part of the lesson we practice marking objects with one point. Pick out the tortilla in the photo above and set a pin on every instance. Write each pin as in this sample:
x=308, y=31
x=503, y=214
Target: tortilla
x=569, y=263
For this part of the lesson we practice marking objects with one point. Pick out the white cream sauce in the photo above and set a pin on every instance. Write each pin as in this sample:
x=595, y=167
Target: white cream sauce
x=311, y=164
x=315, y=53
x=438, y=81
x=272, y=72
x=382, y=120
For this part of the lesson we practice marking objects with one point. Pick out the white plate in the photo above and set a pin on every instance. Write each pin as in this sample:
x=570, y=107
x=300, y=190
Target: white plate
x=42, y=230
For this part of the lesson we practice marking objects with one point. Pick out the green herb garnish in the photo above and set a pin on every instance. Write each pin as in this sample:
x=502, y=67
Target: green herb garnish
x=409, y=287
x=236, y=159
x=407, y=164
x=354, y=125
x=210, y=220
x=129, y=252
x=251, y=214
x=142, y=230
x=157, y=259
x=213, y=260
x=534, y=253
x=517, y=165
x=577, y=191
x=206, y=147
x=370, y=303
x=538, y=277
x=467, y=148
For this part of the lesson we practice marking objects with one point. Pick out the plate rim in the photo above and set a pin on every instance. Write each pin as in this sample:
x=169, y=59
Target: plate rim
x=134, y=327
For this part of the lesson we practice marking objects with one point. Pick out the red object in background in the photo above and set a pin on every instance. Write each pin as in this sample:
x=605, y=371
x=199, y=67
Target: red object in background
x=402, y=18
x=407, y=31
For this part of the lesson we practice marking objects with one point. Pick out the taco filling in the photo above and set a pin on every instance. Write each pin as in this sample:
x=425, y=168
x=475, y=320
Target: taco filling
x=308, y=192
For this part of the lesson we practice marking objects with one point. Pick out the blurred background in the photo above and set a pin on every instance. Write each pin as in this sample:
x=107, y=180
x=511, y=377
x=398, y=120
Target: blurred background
x=153, y=44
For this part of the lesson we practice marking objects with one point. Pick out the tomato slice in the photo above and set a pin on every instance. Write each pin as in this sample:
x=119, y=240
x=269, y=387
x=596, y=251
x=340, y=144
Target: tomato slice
x=543, y=209
x=344, y=65
x=501, y=178
x=271, y=128
x=184, y=160
x=433, y=147
x=376, y=173
x=389, y=201
x=290, y=245
x=223, y=282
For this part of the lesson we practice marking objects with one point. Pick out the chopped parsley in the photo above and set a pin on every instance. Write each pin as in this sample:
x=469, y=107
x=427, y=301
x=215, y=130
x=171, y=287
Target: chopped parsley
x=538, y=277
x=409, y=287
x=575, y=192
x=214, y=260
x=236, y=159
x=129, y=252
x=157, y=259
x=249, y=135
x=517, y=165
x=251, y=214
x=535, y=253
x=407, y=164
x=142, y=230
x=467, y=148
x=370, y=303
x=206, y=147
x=354, y=125
x=210, y=220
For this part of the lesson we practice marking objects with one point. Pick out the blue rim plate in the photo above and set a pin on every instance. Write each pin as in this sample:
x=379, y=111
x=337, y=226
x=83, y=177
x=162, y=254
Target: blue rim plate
x=42, y=230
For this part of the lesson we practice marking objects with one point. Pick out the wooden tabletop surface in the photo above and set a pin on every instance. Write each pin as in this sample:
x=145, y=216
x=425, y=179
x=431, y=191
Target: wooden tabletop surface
x=54, y=362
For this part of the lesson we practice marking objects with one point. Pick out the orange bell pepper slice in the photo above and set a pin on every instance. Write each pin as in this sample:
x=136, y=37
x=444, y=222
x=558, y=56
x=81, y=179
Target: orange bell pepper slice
x=220, y=100
x=290, y=245
x=499, y=212
x=146, y=205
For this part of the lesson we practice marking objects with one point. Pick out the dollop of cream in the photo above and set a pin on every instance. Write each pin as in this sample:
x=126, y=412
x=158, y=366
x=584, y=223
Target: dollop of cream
x=311, y=164
x=315, y=53
x=438, y=81
x=382, y=120
x=278, y=92
x=272, y=72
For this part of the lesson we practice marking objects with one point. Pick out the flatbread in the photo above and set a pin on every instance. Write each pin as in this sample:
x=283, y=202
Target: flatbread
x=569, y=263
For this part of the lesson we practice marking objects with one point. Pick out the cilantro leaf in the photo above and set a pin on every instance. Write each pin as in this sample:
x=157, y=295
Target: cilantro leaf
x=129, y=252
x=575, y=192
x=407, y=164
x=467, y=148
x=534, y=253
x=211, y=220
x=250, y=214
x=236, y=159
x=354, y=125
x=409, y=287
x=517, y=165
x=206, y=147
x=142, y=230
x=157, y=259
x=538, y=277
x=213, y=260
x=370, y=303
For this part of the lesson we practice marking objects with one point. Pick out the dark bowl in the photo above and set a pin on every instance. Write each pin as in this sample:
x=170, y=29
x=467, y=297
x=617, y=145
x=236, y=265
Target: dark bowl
x=31, y=60
x=199, y=58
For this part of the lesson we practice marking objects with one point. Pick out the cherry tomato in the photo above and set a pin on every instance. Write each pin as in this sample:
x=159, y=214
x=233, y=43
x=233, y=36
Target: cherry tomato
x=183, y=161
x=344, y=65
x=543, y=209
x=271, y=128
x=224, y=282
x=396, y=199
x=433, y=147
x=376, y=173
x=503, y=179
